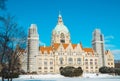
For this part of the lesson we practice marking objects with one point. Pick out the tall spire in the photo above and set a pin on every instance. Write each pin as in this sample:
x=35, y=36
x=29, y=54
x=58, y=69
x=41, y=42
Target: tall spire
x=60, y=21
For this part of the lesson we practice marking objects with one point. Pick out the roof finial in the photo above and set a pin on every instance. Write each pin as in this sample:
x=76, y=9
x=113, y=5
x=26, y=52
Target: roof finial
x=60, y=18
x=59, y=14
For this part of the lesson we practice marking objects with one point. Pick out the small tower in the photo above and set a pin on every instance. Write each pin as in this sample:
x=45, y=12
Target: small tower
x=33, y=48
x=60, y=33
x=98, y=46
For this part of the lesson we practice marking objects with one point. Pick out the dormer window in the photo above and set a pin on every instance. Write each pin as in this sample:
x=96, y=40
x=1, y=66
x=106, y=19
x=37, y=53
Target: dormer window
x=62, y=41
x=61, y=60
x=62, y=38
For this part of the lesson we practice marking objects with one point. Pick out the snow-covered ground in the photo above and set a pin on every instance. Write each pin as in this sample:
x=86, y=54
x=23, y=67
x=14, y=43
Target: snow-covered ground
x=58, y=77
x=85, y=75
x=41, y=76
x=94, y=75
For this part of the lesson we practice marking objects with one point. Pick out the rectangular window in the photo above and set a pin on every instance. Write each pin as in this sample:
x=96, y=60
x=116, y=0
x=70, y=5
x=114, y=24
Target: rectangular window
x=70, y=60
x=51, y=67
x=91, y=63
x=86, y=63
x=78, y=60
x=86, y=67
x=91, y=59
x=45, y=71
x=95, y=63
x=96, y=67
x=95, y=59
x=45, y=67
x=61, y=60
x=96, y=71
x=62, y=41
x=51, y=63
x=86, y=59
x=45, y=63
x=40, y=68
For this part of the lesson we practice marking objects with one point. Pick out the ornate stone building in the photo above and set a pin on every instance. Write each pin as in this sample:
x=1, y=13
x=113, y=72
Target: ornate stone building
x=63, y=52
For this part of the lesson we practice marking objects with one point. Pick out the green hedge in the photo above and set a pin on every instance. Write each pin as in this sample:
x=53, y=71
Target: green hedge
x=14, y=75
x=109, y=70
x=71, y=71
x=106, y=70
x=117, y=71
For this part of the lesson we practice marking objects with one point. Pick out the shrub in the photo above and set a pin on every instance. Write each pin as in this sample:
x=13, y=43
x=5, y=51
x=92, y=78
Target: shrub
x=22, y=72
x=105, y=69
x=13, y=75
x=78, y=71
x=110, y=70
x=34, y=72
x=0, y=74
x=117, y=71
x=71, y=71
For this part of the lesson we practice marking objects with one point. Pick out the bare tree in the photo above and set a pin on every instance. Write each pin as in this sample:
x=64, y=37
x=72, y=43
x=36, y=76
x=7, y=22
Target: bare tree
x=11, y=35
x=2, y=4
x=2, y=8
x=12, y=39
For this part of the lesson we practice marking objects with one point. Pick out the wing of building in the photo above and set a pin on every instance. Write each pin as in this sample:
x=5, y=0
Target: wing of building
x=62, y=52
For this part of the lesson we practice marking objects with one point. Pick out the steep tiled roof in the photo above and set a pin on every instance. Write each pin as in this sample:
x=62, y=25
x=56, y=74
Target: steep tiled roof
x=65, y=45
x=43, y=49
x=88, y=50
x=55, y=46
x=22, y=50
x=74, y=45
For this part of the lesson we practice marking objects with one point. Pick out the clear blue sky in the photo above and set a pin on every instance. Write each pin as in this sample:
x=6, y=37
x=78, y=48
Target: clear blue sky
x=80, y=16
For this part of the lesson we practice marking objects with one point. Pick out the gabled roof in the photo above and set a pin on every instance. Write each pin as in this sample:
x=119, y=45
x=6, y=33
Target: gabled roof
x=65, y=45
x=88, y=50
x=20, y=50
x=55, y=46
x=47, y=49
x=74, y=45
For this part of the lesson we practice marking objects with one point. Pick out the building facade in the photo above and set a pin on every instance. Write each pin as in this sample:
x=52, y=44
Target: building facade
x=62, y=52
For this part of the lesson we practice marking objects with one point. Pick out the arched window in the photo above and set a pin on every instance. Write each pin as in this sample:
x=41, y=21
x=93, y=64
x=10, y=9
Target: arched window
x=62, y=36
x=70, y=60
x=51, y=62
x=61, y=60
x=86, y=59
x=45, y=62
x=95, y=59
x=40, y=61
x=91, y=59
x=78, y=60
